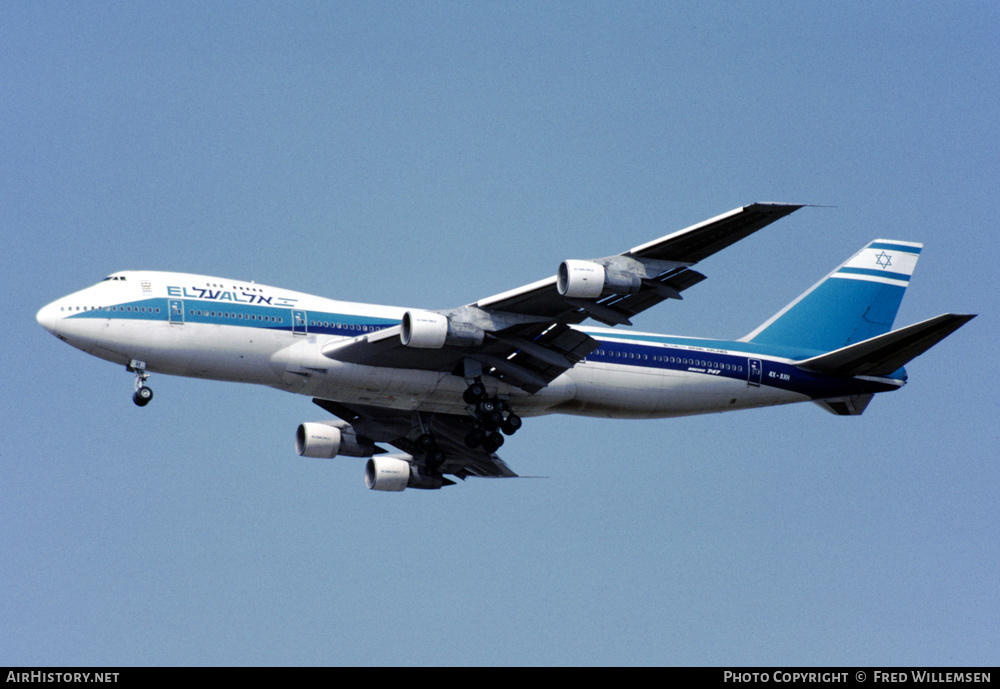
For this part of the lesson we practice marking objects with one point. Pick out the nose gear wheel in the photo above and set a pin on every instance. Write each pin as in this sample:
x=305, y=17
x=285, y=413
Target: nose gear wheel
x=143, y=394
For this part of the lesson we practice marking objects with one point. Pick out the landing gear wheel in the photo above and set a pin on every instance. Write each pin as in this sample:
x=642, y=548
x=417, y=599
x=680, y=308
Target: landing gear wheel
x=425, y=442
x=490, y=413
x=435, y=458
x=485, y=407
x=474, y=393
x=511, y=424
x=142, y=396
x=475, y=438
x=493, y=442
x=492, y=421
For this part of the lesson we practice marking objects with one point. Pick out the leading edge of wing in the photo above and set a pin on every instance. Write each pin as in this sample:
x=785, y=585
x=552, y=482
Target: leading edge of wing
x=698, y=242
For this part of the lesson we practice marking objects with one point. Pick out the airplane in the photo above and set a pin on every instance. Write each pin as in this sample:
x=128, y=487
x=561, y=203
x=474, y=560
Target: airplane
x=444, y=387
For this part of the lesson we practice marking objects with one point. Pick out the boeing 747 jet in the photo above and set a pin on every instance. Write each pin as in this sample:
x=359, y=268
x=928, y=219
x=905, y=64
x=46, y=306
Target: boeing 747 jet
x=445, y=387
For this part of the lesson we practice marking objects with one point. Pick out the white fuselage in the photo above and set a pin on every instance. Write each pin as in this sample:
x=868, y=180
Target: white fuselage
x=214, y=328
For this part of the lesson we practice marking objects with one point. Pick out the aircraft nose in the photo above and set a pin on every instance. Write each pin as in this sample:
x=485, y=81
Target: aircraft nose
x=48, y=316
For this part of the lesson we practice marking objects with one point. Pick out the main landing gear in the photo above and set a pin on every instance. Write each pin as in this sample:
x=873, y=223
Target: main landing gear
x=492, y=416
x=494, y=419
x=433, y=455
x=143, y=395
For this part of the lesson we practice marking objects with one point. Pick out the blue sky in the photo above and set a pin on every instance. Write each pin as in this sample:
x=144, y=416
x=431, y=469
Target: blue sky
x=428, y=154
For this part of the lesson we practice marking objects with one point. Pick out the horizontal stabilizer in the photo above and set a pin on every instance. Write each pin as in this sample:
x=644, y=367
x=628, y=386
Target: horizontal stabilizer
x=885, y=354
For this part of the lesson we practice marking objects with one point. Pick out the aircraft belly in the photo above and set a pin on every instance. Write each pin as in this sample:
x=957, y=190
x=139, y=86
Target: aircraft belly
x=92, y=336
x=229, y=352
x=410, y=389
x=386, y=387
x=122, y=341
x=304, y=370
x=633, y=392
x=194, y=350
x=613, y=392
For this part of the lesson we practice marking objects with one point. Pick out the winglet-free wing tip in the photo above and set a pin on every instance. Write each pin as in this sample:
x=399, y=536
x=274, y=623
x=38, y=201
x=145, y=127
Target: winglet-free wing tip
x=786, y=208
x=775, y=207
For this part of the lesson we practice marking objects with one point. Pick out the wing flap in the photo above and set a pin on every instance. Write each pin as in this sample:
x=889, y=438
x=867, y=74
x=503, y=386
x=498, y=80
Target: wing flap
x=550, y=350
x=666, y=286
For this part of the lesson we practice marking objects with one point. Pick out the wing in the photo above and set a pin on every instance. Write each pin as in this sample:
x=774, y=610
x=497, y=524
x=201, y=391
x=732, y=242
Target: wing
x=401, y=429
x=663, y=266
x=524, y=337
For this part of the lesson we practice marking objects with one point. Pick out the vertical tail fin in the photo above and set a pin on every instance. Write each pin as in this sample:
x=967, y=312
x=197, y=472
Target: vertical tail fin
x=855, y=302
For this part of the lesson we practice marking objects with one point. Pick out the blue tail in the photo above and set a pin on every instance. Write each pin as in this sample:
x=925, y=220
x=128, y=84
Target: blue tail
x=857, y=301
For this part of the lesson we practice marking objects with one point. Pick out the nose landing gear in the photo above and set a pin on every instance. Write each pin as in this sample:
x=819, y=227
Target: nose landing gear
x=143, y=395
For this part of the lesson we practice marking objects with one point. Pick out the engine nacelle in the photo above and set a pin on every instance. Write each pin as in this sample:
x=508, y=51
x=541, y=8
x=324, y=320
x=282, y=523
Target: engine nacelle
x=327, y=439
x=424, y=330
x=429, y=330
x=392, y=473
x=589, y=280
x=387, y=473
x=580, y=279
x=317, y=440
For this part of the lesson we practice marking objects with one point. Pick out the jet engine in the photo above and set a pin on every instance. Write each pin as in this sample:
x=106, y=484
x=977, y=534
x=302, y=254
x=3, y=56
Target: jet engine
x=326, y=439
x=393, y=473
x=589, y=280
x=429, y=330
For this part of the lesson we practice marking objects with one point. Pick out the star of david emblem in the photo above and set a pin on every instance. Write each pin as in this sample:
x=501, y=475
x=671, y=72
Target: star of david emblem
x=883, y=259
